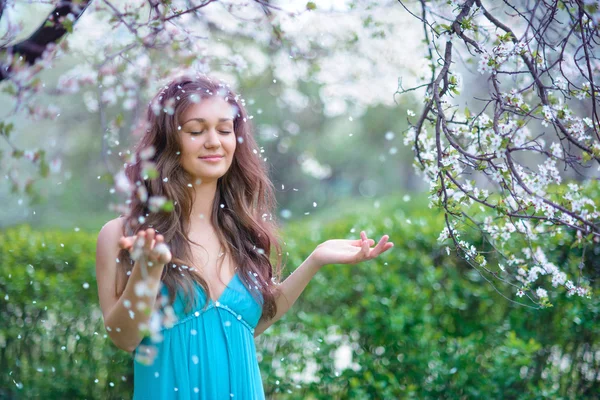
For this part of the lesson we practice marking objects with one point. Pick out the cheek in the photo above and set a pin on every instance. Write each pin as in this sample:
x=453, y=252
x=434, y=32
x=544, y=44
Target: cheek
x=190, y=143
x=188, y=148
x=233, y=143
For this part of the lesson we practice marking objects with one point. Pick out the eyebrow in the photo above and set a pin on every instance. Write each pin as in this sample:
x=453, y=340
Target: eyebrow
x=203, y=120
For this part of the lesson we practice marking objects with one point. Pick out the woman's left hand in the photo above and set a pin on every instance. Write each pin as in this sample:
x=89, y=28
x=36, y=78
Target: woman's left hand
x=344, y=251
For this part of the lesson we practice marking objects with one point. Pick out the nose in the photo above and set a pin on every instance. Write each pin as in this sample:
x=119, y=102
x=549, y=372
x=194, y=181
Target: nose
x=212, y=140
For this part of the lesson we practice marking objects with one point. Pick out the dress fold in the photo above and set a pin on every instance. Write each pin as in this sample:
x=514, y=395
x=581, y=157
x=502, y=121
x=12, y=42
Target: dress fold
x=207, y=354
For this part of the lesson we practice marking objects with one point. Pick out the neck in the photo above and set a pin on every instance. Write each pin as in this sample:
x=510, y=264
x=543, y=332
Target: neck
x=201, y=216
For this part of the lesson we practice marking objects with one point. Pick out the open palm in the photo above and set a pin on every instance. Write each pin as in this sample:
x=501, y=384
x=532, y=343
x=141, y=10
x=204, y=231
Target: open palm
x=345, y=251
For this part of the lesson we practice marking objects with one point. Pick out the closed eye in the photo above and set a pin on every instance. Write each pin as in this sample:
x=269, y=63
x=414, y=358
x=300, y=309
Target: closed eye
x=223, y=132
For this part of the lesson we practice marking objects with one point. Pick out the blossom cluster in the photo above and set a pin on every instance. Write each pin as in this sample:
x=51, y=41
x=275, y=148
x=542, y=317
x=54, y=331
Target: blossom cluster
x=529, y=91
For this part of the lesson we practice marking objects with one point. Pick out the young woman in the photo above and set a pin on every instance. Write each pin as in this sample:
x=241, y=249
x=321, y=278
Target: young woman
x=208, y=258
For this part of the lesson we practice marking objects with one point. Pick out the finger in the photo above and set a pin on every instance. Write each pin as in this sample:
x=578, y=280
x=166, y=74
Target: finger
x=360, y=254
x=149, y=240
x=136, y=250
x=126, y=241
x=161, y=252
x=123, y=243
x=152, y=255
x=387, y=246
x=359, y=242
x=140, y=240
x=157, y=249
x=381, y=245
x=368, y=252
x=366, y=248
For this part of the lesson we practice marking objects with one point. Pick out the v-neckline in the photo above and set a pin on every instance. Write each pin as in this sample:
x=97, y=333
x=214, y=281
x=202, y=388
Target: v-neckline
x=224, y=290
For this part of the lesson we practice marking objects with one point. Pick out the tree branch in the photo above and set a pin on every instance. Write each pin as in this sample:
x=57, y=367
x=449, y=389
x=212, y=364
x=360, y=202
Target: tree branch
x=33, y=47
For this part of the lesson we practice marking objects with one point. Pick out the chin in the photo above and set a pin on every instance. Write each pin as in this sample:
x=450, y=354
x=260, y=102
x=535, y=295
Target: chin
x=209, y=177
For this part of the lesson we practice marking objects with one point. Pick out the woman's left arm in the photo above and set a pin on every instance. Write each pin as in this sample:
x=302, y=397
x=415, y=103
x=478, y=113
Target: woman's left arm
x=334, y=251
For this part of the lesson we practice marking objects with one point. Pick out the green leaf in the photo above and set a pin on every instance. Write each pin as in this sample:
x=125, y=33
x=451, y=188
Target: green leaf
x=29, y=188
x=119, y=120
x=44, y=168
x=14, y=188
x=151, y=172
x=68, y=25
x=586, y=156
x=311, y=5
x=168, y=206
x=6, y=129
x=10, y=89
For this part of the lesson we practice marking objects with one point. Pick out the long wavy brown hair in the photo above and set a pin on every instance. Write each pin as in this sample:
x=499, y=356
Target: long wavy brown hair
x=246, y=225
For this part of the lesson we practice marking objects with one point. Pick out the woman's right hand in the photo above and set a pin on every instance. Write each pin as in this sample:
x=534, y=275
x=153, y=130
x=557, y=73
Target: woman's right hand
x=145, y=245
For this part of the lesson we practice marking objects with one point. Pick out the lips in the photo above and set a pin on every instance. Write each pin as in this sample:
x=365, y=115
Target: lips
x=216, y=157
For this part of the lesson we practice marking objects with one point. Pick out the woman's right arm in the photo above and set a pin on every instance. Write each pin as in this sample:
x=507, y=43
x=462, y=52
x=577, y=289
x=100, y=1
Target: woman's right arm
x=122, y=317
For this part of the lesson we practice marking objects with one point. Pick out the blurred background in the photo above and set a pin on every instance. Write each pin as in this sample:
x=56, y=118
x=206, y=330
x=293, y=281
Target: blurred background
x=415, y=323
x=328, y=125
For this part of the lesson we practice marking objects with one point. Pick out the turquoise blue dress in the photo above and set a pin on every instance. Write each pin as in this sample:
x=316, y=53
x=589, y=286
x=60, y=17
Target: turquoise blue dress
x=207, y=354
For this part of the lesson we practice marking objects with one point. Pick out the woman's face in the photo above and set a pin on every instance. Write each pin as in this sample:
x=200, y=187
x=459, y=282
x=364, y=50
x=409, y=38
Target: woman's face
x=207, y=130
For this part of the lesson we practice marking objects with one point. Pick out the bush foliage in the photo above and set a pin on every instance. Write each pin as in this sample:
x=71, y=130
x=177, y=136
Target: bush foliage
x=416, y=322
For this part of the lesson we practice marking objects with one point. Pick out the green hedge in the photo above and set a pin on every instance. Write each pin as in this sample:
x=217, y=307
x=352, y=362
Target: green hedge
x=419, y=324
x=52, y=340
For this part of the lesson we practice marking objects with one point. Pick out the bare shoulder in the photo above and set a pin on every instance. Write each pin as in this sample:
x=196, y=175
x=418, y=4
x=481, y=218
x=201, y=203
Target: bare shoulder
x=112, y=226
x=107, y=251
x=111, y=231
x=107, y=245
